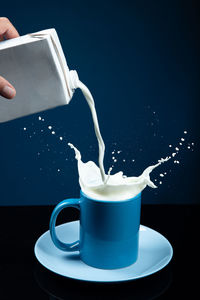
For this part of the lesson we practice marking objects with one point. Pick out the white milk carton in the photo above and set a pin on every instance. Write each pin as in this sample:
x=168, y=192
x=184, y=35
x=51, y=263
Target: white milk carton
x=36, y=66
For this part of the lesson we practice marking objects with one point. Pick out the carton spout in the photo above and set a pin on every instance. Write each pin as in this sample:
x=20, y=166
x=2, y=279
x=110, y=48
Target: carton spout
x=73, y=79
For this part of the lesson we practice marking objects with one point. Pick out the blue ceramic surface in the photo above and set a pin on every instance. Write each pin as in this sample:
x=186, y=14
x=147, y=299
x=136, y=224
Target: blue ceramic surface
x=109, y=231
x=155, y=252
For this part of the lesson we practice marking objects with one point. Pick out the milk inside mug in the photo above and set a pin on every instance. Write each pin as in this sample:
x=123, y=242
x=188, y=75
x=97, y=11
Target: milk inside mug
x=109, y=230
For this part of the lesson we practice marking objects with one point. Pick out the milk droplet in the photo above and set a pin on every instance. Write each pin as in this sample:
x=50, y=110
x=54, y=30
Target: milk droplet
x=24, y=128
x=180, y=144
x=160, y=182
x=170, y=146
x=43, y=120
x=61, y=138
x=161, y=175
x=124, y=160
x=119, y=151
x=58, y=170
x=185, y=132
x=192, y=144
x=39, y=118
x=115, y=160
x=42, y=130
x=113, y=152
x=133, y=160
x=182, y=139
x=177, y=161
x=177, y=149
x=188, y=147
x=53, y=132
x=50, y=127
x=173, y=154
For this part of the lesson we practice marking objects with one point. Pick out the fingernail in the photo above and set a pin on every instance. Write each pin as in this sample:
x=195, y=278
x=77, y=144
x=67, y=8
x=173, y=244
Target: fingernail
x=8, y=92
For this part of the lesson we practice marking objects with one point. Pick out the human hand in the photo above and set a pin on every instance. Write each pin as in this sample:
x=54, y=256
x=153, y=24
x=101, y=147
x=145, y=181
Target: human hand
x=8, y=31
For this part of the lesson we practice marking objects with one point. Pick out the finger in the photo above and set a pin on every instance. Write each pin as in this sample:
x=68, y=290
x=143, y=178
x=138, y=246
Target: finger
x=7, y=30
x=6, y=89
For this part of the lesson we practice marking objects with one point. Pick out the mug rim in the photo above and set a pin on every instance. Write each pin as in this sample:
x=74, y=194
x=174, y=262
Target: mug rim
x=109, y=200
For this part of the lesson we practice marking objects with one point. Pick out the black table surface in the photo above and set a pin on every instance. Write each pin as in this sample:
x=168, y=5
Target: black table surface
x=22, y=277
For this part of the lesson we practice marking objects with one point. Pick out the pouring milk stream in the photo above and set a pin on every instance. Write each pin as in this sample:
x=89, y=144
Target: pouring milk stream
x=93, y=180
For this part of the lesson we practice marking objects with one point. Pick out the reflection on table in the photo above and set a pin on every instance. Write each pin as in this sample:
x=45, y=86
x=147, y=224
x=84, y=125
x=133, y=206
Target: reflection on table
x=58, y=287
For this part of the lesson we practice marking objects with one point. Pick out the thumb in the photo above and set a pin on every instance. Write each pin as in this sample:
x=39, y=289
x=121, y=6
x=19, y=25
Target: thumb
x=6, y=89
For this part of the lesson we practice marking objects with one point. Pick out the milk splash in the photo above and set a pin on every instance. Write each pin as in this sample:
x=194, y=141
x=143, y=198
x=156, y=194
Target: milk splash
x=116, y=186
x=93, y=180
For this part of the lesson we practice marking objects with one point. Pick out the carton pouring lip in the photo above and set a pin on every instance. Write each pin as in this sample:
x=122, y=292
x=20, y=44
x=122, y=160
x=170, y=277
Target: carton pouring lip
x=73, y=79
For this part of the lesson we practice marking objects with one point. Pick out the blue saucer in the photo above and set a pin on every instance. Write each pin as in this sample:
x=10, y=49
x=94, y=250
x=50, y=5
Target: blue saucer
x=155, y=252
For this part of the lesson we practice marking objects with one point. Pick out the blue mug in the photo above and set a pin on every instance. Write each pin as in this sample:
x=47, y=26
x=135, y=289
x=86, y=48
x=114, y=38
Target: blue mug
x=109, y=231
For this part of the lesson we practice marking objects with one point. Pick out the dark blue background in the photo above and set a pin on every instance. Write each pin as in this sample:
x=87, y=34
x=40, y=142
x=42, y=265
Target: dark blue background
x=137, y=57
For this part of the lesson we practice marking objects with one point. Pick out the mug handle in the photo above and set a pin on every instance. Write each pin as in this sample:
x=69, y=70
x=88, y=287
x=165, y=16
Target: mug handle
x=60, y=245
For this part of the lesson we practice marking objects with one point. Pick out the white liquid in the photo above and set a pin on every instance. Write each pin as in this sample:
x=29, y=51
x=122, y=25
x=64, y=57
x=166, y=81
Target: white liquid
x=90, y=101
x=93, y=180
x=117, y=186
